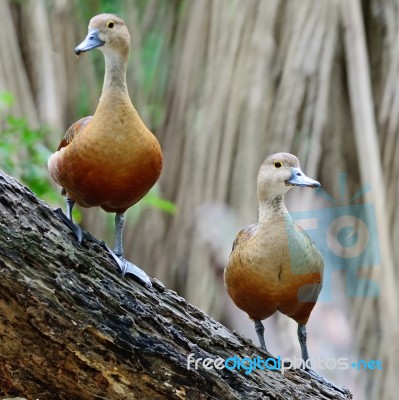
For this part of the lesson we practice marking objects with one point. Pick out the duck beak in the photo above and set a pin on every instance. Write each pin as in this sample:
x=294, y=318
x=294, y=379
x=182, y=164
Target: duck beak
x=298, y=178
x=91, y=42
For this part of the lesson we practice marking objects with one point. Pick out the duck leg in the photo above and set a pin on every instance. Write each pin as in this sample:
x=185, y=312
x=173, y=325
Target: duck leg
x=305, y=357
x=302, y=335
x=260, y=331
x=125, y=266
x=67, y=219
x=119, y=221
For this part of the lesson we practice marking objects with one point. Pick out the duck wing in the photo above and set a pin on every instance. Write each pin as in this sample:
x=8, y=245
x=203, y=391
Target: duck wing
x=244, y=235
x=73, y=131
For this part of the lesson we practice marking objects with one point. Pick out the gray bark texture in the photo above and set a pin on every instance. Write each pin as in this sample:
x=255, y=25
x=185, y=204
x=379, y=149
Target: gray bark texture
x=71, y=327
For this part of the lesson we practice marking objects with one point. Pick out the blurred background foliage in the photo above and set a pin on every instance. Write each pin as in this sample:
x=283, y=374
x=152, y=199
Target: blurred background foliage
x=23, y=151
x=223, y=83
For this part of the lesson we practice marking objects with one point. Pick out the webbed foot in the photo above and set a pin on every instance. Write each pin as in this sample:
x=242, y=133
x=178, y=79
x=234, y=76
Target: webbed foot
x=322, y=380
x=127, y=267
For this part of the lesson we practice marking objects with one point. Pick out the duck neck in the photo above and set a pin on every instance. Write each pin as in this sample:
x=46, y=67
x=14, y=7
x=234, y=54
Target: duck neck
x=115, y=72
x=271, y=207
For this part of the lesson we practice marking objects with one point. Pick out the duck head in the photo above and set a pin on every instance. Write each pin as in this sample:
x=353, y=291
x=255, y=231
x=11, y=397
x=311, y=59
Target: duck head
x=279, y=173
x=108, y=33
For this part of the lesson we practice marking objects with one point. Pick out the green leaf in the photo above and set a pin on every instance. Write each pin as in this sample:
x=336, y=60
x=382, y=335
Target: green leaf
x=6, y=99
x=160, y=203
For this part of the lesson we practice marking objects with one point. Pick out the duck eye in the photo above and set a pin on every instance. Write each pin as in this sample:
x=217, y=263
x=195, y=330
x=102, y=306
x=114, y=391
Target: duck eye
x=278, y=164
x=110, y=24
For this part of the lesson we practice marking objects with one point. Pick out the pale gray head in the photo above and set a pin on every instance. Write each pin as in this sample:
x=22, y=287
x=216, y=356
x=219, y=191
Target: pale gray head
x=108, y=33
x=278, y=173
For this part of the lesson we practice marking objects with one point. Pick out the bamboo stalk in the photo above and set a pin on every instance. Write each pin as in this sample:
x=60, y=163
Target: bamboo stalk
x=371, y=172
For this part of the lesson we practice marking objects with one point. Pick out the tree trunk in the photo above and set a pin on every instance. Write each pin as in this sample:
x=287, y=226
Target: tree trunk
x=72, y=327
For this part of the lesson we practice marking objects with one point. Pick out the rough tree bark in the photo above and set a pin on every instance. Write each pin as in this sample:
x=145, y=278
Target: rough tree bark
x=71, y=327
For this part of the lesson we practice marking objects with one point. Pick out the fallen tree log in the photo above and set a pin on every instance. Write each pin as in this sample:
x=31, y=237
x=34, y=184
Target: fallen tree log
x=71, y=327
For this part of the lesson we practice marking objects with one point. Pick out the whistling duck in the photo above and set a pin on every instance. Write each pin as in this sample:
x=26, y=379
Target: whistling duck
x=274, y=265
x=109, y=159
